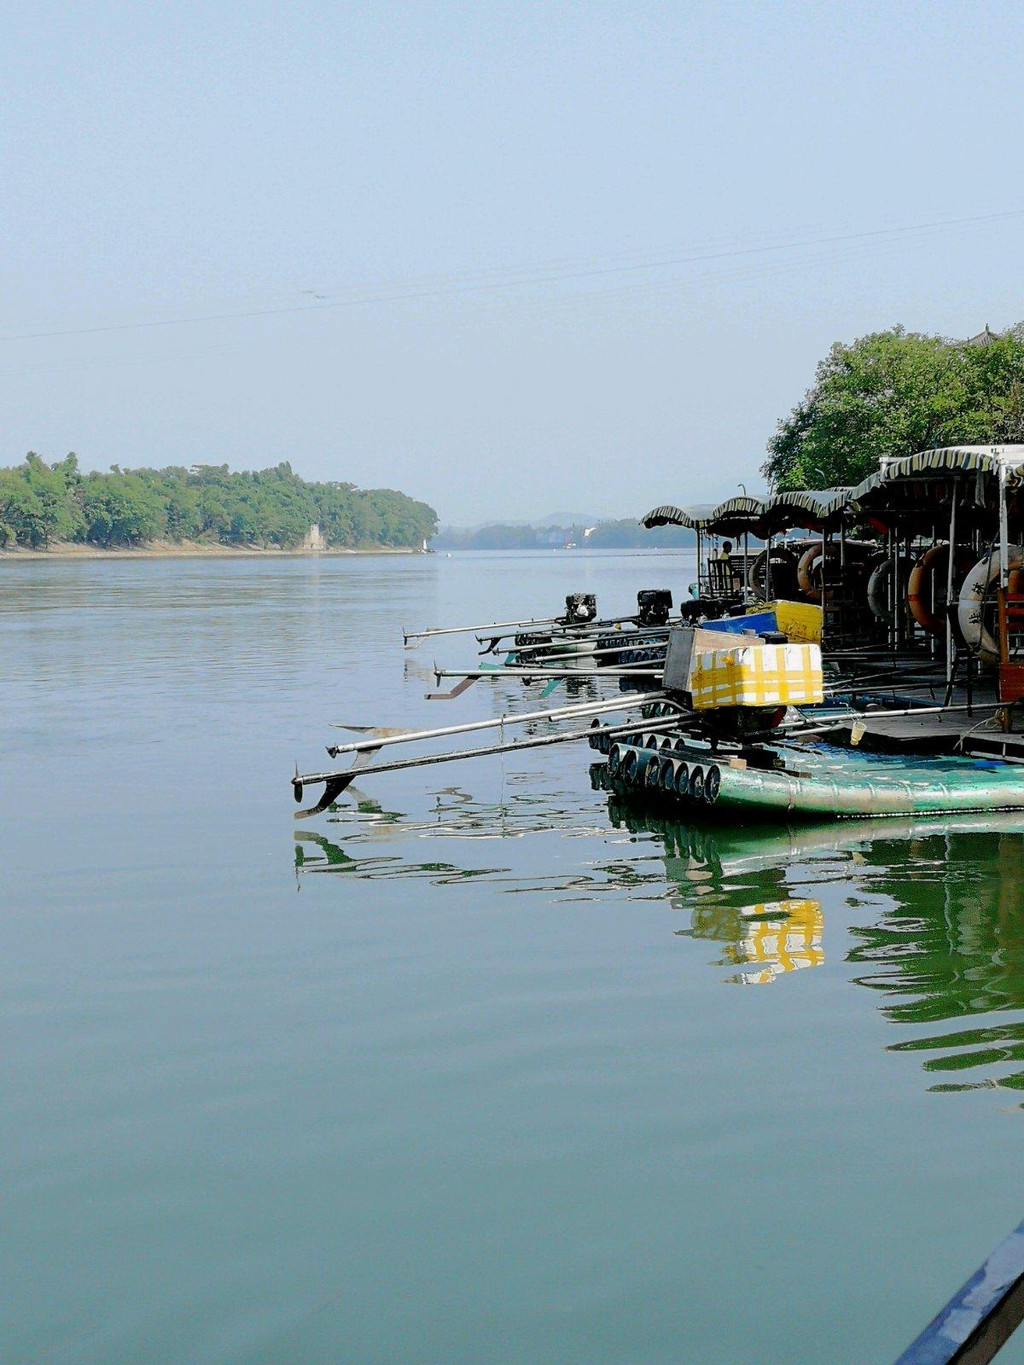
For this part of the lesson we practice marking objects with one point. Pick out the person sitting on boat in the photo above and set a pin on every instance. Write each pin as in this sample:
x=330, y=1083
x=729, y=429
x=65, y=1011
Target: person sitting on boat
x=726, y=551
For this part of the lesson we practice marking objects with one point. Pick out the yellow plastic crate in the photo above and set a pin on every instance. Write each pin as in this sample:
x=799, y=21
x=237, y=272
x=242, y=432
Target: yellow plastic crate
x=757, y=675
x=800, y=622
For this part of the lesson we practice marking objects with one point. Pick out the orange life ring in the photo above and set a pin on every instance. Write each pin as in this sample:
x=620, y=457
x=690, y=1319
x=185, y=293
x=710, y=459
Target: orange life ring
x=803, y=571
x=919, y=587
x=854, y=556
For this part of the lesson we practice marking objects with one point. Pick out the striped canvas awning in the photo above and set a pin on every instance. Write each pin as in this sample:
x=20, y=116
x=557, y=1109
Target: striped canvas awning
x=736, y=515
x=981, y=460
x=810, y=509
x=668, y=515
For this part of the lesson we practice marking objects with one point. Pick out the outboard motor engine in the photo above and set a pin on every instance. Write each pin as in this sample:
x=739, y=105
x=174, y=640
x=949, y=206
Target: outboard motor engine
x=653, y=606
x=580, y=607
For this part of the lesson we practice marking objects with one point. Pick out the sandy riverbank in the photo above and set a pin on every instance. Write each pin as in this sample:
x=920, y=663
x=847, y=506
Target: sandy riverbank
x=186, y=549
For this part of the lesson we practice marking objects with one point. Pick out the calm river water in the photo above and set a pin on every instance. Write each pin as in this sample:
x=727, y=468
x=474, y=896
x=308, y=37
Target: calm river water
x=477, y=1069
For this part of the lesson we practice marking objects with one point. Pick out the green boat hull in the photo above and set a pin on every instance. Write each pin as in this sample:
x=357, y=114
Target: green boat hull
x=840, y=784
x=823, y=782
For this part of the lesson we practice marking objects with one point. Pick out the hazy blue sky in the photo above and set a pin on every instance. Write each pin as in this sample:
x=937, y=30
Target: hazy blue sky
x=571, y=256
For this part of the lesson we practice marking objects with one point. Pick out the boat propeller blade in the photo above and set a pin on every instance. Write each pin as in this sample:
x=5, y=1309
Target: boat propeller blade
x=456, y=691
x=333, y=788
x=376, y=731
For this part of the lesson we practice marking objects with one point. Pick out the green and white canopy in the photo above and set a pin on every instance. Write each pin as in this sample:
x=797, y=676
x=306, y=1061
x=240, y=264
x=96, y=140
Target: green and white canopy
x=809, y=509
x=907, y=491
x=984, y=461
x=667, y=515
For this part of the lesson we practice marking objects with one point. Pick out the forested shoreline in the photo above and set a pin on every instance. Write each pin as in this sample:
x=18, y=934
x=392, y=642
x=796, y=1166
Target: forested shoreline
x=45, y=504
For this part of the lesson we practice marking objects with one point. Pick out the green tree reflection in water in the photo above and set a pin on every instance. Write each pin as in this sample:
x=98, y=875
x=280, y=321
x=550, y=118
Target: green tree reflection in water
x=952, y=944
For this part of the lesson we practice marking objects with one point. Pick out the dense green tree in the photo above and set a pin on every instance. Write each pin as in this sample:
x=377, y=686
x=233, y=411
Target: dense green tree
x=334, y=505
x=893, y=393
x=994, y=409
x=121, y=509
x=21, y=513
x=39, y=502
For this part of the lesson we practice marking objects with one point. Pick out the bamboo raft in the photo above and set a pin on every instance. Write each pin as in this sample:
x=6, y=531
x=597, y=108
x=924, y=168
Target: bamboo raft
x=809, y=782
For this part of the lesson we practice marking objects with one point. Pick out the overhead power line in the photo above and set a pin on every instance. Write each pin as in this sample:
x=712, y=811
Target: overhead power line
x=557, y=277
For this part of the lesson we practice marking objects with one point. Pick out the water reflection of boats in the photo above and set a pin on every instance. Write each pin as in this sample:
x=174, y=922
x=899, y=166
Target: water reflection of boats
x=764, y=939
x=946, y=944
x=364, y=825
x=942, y=948
x=314, y=853
x=760, y=847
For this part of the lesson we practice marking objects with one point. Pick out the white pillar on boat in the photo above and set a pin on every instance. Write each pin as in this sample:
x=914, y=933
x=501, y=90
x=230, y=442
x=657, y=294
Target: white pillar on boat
x=1004, y=565
x=950, y=643
x=1004, y=535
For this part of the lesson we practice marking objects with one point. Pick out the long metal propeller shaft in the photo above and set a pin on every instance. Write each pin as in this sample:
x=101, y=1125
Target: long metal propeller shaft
x=336, y=781
x=431, y=631
x=528, y=671
x=591, y=708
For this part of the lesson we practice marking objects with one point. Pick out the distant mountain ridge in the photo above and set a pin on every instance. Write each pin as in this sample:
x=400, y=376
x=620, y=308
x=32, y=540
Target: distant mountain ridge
x=624, y=534
x=570, y=519
x=552, y=519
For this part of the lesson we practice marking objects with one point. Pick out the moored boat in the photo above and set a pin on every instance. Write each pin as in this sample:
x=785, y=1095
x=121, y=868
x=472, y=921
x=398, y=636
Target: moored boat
x=864, y=657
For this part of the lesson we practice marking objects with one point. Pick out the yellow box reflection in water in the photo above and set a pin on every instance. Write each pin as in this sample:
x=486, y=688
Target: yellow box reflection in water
x=780, y=936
